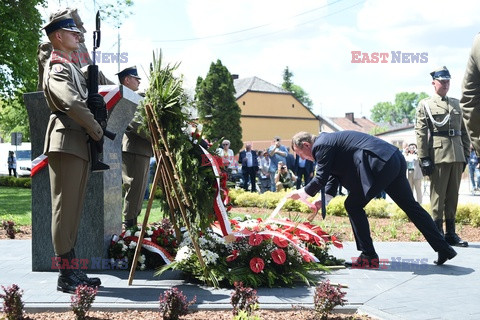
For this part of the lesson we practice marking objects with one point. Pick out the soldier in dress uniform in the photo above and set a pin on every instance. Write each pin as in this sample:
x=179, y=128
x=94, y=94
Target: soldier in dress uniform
x=136, y=154
x=70, y=126
x=443, y=147
x=470, y=101
x=81, y=56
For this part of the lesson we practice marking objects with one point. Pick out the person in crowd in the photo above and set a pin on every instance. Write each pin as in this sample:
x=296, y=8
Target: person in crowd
x=12, y=164
x=364, y=165
x=248, y=159
x=414, y=172
x=473, y=170
x=303, y=169
x=226, y=154
x=443, y=149
x=284, y=177
x=290, y=159
x=136, y=154
x=263, y=172
x=277, y=153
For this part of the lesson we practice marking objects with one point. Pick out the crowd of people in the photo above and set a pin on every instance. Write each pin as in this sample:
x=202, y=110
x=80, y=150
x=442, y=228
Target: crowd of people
x=270, y=169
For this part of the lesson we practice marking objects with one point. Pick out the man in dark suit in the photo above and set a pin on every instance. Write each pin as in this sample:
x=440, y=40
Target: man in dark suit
x=364, y=165
x=249, y=160
x=303, y=169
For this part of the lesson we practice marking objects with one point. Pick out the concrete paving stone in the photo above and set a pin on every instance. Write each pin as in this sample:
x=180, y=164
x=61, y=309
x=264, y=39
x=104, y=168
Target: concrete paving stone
x=394, y=293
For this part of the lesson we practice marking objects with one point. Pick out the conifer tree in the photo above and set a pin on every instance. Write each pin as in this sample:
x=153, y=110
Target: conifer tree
x=217, y=107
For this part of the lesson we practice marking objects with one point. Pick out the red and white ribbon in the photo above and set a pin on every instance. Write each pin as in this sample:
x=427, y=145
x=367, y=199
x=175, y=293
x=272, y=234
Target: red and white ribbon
x=218, y=205
x=38, y=164
x=153, y=247
x=111, y=94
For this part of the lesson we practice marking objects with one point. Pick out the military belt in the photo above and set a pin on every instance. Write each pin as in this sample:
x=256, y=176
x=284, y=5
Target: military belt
x=448, y=133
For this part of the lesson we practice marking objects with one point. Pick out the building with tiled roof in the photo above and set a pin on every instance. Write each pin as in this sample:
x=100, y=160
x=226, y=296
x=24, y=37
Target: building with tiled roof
x=268, y=110
x=349, y=122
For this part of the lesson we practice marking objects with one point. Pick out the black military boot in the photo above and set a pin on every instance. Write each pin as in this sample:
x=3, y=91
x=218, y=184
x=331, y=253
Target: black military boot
x=67, y=280
x=130, y=223
x=439, y=224
x=91, y=282
x=452, y=238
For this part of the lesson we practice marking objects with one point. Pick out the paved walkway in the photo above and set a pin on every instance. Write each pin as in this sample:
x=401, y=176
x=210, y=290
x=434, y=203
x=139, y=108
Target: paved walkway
x=409, y=286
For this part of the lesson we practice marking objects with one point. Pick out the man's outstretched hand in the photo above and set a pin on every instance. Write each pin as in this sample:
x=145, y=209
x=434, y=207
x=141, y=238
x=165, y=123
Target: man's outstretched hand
x=301, y=195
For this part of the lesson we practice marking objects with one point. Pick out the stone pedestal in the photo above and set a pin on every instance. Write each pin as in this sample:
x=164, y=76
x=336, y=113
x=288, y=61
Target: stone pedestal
x=101, y=216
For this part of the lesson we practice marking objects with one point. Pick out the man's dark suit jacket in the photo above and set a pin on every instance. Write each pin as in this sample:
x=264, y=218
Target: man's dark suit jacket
x=308, y=165
x=353, y=158
x=242, y=158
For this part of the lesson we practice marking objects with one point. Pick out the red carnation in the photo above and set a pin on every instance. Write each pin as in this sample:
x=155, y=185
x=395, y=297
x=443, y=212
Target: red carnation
x=280, y=242
x=255, y=239
x=279, y=256
x=257, y=265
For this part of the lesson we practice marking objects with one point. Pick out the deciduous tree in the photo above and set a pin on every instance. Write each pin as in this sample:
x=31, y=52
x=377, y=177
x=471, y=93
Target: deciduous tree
x=403, y=108
x=296, y=90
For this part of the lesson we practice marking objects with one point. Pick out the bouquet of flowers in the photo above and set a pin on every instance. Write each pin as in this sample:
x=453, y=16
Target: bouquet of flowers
x=159, y=245
x=273, y=253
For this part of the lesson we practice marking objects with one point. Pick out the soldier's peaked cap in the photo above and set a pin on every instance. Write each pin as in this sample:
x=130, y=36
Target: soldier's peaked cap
x=440, y=74
x=64, y=22
x=130, y=71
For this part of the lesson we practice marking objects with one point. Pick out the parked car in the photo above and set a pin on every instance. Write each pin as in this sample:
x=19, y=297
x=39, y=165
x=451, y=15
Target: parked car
x=24, y=162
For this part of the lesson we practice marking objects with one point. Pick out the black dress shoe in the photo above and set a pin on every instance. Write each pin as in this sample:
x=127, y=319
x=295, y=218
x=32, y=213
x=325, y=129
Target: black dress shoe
x=444, y=255
x=68, y=282
x=454, y=240
x=364, y=261
x=91, y=282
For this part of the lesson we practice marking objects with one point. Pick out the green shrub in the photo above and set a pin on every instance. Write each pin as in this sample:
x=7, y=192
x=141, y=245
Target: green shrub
x=377, y=208
x=8, y=181
x=465, y=213
x=336, y=207
x=398, y=214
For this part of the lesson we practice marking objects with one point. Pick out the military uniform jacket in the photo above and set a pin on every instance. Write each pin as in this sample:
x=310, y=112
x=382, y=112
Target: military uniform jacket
x=446, y=141
x=135, y=140
x=71, y=121
x=470, y=102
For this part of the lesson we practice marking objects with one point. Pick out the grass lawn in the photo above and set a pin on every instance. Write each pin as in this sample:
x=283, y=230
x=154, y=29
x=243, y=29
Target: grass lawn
x=16, y=205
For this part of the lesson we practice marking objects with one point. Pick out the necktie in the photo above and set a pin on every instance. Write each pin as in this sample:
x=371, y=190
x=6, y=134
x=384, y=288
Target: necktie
x=324, y=207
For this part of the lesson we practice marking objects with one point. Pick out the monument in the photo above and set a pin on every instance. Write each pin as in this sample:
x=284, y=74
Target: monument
x=101, y=216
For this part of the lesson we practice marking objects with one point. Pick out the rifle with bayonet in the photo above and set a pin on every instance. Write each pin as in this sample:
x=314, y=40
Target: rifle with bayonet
x=97, y=105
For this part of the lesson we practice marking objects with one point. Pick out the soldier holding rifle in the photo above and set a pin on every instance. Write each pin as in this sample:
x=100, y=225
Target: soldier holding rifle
x=70, y=127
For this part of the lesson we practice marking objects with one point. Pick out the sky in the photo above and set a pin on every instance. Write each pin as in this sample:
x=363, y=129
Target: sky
x=314, y=38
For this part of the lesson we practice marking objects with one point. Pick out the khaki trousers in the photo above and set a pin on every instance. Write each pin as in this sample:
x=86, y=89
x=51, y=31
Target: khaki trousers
x=444, y=186
x=68, y=182
x=415, y=184
x=135, y=170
